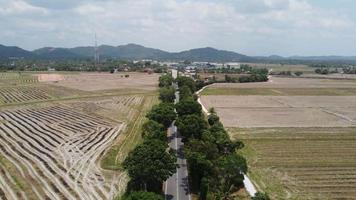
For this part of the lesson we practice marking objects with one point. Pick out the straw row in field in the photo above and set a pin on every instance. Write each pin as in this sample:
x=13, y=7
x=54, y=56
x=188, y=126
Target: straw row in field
x=17, y=78
x=305, y=162
x=22, y=94
x=56, y=150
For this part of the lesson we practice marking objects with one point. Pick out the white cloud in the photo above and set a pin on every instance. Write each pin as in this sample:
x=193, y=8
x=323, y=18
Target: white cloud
x=248, y=26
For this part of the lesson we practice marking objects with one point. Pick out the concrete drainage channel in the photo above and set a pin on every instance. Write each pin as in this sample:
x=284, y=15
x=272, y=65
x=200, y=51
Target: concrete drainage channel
x=250, y=188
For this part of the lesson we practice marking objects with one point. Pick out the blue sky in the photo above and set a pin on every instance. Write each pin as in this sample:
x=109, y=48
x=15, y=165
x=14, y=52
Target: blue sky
x=252, y=27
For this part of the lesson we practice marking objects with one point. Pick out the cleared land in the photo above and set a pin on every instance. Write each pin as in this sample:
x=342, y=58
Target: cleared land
x=103, y=81
x=55, y=140
x=302, y=163
x=284, y=111
x=290, y=102
x=299, y=134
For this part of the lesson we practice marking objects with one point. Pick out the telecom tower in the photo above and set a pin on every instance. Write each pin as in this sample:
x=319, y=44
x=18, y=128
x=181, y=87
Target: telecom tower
x=96, y=53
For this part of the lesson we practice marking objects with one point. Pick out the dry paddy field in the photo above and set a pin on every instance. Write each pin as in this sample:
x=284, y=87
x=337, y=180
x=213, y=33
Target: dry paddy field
x=58, y=142
x=300, y=134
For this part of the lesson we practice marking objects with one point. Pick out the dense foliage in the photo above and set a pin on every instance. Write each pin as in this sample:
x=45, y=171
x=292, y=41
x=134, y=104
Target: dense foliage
x=188, y=82
x=167, y=94
x=142, y=195
x=261, y=196
x=165, y=81
x=215, y=168
x=163, y=113
x=150, y=164
x=105, y=65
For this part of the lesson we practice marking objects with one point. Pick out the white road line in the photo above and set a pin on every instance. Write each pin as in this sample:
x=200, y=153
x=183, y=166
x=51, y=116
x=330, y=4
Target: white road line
x=165, y=190
x=177, y=174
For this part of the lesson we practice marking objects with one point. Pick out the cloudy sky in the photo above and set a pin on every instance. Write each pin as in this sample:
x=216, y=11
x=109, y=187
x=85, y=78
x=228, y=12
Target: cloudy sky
x=252, y=27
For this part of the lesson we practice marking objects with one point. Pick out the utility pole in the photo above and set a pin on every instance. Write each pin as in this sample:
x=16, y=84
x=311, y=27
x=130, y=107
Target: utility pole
x=96, y=53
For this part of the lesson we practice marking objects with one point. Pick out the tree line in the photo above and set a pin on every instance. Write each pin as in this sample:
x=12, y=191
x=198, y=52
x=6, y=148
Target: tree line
x=215, y=166
x=150, y=164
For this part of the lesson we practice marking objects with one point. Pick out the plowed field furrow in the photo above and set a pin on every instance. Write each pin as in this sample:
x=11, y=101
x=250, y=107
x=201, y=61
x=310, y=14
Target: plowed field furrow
x=37, y=174
x=62, y=162
x=92, y=138
x=12, y=117
x=46, y=165
x=67, y=112
x=43, y=129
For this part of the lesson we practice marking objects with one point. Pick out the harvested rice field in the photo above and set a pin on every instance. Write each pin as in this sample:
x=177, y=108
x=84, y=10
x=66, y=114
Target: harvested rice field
x=103, y=81
x=59, y=142
x=301, y=163
x=284, y=111
x=299, y=134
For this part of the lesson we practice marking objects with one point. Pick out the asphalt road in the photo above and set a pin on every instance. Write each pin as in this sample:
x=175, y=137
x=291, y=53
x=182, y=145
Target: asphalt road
x=177, y=187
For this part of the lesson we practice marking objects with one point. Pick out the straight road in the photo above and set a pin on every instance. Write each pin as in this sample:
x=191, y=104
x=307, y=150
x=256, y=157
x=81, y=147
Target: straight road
x=177, y=186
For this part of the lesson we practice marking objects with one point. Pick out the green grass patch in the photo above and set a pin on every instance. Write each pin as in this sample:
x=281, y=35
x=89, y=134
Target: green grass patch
x=129, y=139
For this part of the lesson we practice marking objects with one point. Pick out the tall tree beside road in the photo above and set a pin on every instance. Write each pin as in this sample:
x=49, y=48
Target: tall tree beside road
x=154, y=130
x=215, y=168
x=149, y=165
x=185, y=93
x=188, y=107
x=186, y=81
x=142, y=195
x=167, y=94
x=163, y=113
x=165, y=81
x=191, y=126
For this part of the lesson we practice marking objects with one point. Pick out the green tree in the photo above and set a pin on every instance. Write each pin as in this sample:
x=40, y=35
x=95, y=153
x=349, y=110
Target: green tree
x=167, y=94
x=298, y=73
x=213, y=119
x=260, y=196
x=191, y=126
x=165, y=80
x=149, y=165
x=154, y=130
x=230, y=171
x=199, y=155
x=185, y=93
x=187, y=81
x=142, y=196
x=163, y=113
x=188, y=107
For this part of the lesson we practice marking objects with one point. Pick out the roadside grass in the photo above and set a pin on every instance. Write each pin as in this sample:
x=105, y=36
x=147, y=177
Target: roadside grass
x=301, y=163
x=129, y=139
x=281, y=91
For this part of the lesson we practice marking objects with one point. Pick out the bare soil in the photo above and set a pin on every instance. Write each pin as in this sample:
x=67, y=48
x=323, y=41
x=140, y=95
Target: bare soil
x=106, y=81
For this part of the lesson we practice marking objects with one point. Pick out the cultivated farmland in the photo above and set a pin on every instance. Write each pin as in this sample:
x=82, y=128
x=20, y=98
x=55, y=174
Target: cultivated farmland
x=104, y=81
x=301, y=163
x=56, y=140
x=299, y=134
x=57, y=150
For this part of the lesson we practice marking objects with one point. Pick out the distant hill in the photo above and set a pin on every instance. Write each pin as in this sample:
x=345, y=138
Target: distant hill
x=210, y=54
x=55, y=53
x=129, y=51
x=7, y=52
x=135, y=52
